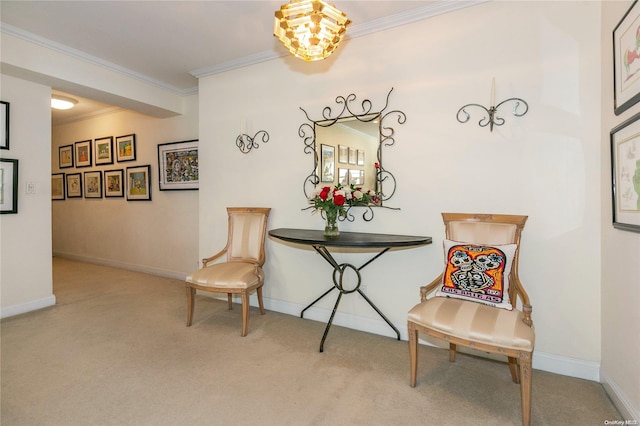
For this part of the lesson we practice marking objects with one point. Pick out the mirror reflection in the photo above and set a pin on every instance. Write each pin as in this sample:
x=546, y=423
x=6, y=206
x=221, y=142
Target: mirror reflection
x=347, y=152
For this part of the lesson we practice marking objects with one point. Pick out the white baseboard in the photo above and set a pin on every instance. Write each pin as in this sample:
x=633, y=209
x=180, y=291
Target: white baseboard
x=587, y=370
x=619, y=399
x=552, y=363
x=128, y=266
x=23, y=308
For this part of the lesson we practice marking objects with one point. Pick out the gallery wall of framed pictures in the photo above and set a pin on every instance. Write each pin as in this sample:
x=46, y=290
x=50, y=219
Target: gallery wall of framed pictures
x=83, y=176
x=624, y=138
x=350, y=165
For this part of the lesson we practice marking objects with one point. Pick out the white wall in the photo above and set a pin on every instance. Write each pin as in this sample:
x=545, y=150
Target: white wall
x=158, y=236
x=25, y=251
x=620, y=252
x=541, y=164
x=581, y=273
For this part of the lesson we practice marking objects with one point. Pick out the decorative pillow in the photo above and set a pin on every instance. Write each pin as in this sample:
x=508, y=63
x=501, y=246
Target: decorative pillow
x=479, y=273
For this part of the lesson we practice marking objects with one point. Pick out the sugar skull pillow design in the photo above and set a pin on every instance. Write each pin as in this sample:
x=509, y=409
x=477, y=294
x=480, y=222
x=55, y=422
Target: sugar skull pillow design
x=478, y=273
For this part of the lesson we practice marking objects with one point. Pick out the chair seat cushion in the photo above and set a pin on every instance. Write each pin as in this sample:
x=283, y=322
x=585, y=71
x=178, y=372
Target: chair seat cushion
x=475, y=322
x=228, y=275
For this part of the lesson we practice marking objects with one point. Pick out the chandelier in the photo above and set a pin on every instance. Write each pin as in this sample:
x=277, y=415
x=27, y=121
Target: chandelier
x=310, y=29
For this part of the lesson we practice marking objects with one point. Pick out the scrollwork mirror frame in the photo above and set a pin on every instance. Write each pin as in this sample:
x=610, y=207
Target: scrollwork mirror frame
x=385, y=180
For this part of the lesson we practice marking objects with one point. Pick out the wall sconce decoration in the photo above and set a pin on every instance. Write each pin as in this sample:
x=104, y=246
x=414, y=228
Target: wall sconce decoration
x=246, y=143
x=492, y=119
x=310, y=29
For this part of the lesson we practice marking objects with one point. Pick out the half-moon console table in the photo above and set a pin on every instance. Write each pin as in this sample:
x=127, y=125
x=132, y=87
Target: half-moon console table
x=354, y=240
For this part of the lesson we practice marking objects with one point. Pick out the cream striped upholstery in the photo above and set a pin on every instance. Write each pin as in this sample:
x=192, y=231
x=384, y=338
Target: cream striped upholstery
x=246, y=235
x=228, y=275
x=474, y=321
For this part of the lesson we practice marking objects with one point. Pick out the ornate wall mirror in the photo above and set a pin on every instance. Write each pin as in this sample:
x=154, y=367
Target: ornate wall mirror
x=347, y=147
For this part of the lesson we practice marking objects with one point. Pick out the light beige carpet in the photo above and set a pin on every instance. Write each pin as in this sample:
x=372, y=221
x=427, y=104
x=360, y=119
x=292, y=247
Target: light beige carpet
x=115, y=351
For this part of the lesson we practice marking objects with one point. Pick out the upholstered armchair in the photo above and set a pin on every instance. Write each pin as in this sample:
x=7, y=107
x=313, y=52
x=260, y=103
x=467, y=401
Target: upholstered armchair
x=473, y=301
x=242, y=272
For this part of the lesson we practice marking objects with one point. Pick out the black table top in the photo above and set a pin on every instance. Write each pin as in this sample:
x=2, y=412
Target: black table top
x=348, y=239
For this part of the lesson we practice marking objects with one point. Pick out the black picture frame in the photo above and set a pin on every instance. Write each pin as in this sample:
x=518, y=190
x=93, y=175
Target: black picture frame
x=82, y=154
x=65, y=156
x=74, y=185
x=4, y=125
x=93, y=184
x=625, y=174
x=103, y=151
x=8, y=186
x=114, y=183
x=139, y=183
x=178, y=166
x=626, y=61
x=126, y=148
x=57, y=186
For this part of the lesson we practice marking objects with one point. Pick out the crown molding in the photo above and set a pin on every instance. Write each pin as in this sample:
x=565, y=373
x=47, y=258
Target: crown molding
x=85, y=57
x=435, y=8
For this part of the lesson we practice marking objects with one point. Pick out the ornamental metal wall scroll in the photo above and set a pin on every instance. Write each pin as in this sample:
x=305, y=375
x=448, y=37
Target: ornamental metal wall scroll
x=349, y=110
x=246, y=143
x=492, y=119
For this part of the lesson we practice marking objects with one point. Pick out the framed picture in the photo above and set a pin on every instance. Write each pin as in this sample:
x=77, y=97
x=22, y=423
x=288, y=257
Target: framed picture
x=8, y=186
x=138, y=188
x=343, y=154
x=343, y=176
x=57, y=186
x=4, y=125
x=327, y=163
x=65, y=156
x=83, y=155
x=126, y=148
x=626, y=60
x=356, y=177
x=353, y=156
x=625, y=174
x=93, y=184
x=178, y=165
x=103, y=150
x=74, y=185
x=360, y=157
x=114, y=183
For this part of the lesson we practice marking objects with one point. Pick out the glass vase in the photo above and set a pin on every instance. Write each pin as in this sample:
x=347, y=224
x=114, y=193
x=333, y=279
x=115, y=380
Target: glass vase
x=331, y=227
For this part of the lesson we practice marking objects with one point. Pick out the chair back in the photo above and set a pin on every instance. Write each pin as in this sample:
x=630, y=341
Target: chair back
x=247, y=232
x=484, y=228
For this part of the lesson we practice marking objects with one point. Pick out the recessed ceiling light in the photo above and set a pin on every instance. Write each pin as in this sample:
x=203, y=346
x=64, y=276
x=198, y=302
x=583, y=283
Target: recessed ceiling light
x=62, y=102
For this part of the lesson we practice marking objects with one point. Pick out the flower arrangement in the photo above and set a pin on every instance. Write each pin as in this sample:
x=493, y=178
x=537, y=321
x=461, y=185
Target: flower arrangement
x=334, y=201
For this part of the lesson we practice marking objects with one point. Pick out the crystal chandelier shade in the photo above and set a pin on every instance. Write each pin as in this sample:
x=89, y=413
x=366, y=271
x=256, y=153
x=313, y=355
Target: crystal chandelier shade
x=310, y=29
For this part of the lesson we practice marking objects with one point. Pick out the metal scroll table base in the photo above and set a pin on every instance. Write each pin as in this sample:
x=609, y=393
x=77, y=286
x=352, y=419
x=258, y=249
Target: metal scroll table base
x=338, y=274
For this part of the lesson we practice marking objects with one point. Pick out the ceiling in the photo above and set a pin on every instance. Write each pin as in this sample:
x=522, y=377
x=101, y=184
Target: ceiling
x=171, y=43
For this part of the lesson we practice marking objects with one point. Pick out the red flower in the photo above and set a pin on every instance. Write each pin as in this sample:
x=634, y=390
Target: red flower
x=324, y=194
x=339, y=199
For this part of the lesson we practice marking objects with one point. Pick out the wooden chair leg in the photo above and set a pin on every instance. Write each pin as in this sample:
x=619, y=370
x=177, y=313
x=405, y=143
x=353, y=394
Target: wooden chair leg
x=452, y=352
x=230, y=300
x=260, y=302
x=413, y=355
x=245, y=312
x=191, y=292
x=525, y=387
x=513, y=367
